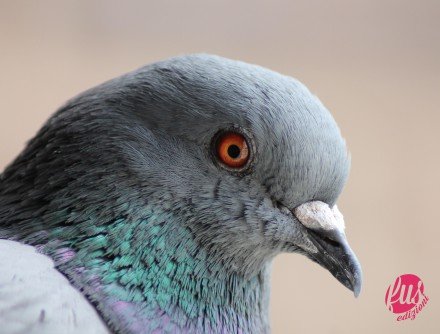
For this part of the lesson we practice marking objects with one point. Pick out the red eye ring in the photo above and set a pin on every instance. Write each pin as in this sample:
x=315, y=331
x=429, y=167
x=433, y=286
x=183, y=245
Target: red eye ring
x=232, y=149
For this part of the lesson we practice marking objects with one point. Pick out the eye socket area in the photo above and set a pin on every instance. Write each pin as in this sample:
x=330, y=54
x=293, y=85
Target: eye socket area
x=232, y=149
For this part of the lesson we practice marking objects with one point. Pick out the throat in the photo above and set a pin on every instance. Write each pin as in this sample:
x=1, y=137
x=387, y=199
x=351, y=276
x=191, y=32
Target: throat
x=171, y=286
x=194, y=304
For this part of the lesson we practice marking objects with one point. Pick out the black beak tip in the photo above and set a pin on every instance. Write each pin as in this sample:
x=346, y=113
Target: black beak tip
x=351, y=277
x=337, y=257
x=357, y=286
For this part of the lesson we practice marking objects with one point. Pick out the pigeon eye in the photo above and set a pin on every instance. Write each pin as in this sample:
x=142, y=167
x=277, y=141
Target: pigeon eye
x=232, y=149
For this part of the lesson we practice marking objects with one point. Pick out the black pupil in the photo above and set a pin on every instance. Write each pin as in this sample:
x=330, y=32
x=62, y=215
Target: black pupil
x=234, y=151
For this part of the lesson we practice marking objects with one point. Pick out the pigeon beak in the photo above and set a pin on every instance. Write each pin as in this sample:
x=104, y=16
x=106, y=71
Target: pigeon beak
x=325, y=230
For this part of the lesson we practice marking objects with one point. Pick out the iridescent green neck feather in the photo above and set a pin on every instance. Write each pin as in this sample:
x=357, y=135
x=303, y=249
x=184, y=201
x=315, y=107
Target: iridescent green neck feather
x=149, y=274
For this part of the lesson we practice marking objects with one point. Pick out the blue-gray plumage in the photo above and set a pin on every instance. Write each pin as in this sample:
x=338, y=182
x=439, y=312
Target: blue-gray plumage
x=164, y=194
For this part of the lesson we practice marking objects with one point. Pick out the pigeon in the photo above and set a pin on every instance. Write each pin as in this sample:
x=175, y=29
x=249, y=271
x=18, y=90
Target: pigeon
x=156, y=202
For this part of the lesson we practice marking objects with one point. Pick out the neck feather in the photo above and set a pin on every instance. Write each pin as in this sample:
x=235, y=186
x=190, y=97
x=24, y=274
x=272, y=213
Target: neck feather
x=149, y=274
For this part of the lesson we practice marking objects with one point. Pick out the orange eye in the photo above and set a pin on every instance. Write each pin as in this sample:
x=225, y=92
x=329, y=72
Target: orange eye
x=232, y=149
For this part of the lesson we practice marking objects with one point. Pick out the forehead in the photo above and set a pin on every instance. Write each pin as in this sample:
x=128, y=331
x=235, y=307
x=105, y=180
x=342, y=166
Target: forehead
x=204, y=92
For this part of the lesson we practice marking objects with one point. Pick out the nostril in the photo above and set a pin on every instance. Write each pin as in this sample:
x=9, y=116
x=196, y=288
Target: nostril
x=326, y=239
x=331, y=241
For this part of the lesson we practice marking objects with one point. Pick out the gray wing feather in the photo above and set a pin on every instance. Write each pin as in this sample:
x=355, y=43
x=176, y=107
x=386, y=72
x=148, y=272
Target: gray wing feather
x=35, y=298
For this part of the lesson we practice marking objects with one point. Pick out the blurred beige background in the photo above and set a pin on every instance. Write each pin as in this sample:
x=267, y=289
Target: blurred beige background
x=376, y=66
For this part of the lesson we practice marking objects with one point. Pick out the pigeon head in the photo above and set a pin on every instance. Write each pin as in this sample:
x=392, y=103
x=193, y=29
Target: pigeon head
x=292, y=149
x=197, y=164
